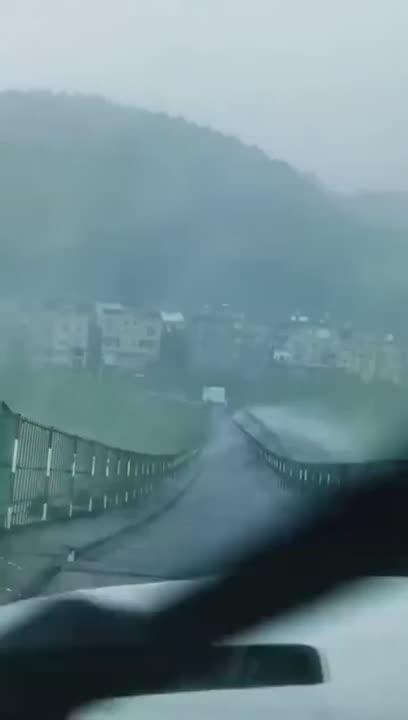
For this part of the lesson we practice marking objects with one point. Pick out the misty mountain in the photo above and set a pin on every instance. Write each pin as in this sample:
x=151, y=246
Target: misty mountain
x=103, y=201
x=387, y=210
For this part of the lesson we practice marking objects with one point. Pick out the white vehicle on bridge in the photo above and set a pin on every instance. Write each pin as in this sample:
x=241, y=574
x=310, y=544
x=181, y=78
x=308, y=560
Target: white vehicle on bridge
x=215, y=395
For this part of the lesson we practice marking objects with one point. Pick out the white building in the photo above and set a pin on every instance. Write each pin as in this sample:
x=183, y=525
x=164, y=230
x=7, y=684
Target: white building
x=129, y=338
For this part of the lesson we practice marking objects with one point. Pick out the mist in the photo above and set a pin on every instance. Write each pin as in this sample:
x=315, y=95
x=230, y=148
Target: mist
x=183, y=158
x=315, y=85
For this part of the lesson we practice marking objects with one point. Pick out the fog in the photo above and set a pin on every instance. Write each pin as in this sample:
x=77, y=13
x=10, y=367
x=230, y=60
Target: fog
x=180, y=210
x=150, y=199
x=314, y=432
x=318, y=84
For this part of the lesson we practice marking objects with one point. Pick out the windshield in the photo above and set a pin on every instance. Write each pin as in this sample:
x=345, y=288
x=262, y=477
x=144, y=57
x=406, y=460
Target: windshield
x=203, y=223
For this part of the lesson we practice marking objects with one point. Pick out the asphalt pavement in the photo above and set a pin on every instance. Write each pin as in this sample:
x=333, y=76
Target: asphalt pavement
x=232, y=493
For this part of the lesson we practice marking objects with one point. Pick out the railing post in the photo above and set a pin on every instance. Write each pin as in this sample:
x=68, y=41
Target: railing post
x=47, y=477
x=135, y=475
x=13, y=471
x=73, y=474
x=107, y=472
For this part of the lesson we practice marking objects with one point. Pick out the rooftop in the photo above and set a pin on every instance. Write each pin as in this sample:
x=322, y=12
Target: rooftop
x=172, y=317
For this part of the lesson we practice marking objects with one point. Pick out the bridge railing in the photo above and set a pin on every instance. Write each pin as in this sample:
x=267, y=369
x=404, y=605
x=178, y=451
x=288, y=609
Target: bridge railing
x=47, y=474
x=308, y=476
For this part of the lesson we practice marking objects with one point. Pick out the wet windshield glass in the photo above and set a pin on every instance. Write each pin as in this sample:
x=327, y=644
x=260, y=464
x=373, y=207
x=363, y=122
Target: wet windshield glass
x=203, y=228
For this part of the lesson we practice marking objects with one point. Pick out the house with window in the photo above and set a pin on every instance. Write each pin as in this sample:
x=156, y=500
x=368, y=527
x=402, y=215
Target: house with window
x=129, y=339
x=57, y=334
x=304, y=343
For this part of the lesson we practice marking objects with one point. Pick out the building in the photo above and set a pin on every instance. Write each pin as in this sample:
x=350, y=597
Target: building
x=173, y=321
x=255, y=349
x=384, y=360
x=129, y=339
x=57, y=334
x=72, y=335
x=221, y=341
x=173, y=347
x=304, y=343
x=372, y=358
x=214, y=341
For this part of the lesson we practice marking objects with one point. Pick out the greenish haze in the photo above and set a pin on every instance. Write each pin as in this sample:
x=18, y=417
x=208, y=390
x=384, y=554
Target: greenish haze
x=374, y=414
x=381, y=209
x=103, y=201
x=110, y=409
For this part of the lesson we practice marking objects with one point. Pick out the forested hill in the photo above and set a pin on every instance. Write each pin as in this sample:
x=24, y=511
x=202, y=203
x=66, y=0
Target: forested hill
x=100, y=200
x=388, y=210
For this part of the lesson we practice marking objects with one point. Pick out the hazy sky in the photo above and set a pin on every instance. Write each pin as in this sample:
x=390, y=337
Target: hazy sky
x=320, y=83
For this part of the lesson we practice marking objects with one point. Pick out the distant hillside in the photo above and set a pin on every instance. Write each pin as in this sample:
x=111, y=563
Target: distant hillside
x=99, y=200
x=387, y=210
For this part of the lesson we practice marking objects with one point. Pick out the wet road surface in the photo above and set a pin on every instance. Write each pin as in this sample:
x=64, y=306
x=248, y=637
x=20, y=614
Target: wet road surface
x=232, y=493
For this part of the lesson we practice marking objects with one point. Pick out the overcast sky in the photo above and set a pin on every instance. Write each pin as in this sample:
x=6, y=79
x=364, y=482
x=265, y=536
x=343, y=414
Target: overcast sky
x=319, y=83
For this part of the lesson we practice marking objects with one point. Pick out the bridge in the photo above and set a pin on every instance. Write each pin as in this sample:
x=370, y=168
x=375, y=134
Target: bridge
x=78, y=514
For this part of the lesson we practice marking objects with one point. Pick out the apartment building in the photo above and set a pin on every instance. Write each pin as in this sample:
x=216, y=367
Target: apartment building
x=255, y=349
x=58, y=334
x=214, y=341
x=305, y=343
x=129, y=339
x=373, y=357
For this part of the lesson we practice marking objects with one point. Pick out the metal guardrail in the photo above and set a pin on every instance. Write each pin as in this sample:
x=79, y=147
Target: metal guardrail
x=46, y=474
x=319, y=476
